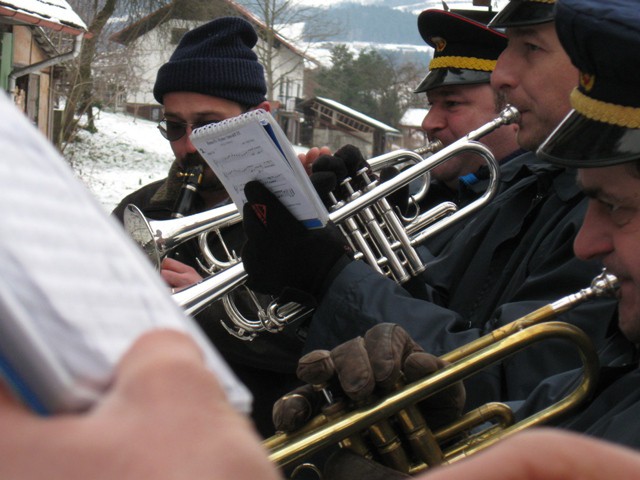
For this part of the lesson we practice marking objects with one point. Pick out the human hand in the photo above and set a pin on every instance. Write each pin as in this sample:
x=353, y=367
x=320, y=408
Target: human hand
x=345, y=163
x=177, y=274
x=544, y=454
x=376, y=363
x=162, y=418
x=311, y=156
x=281, y=256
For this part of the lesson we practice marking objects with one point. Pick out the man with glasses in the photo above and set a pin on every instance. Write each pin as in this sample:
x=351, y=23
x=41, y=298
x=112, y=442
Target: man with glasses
x=214, y=75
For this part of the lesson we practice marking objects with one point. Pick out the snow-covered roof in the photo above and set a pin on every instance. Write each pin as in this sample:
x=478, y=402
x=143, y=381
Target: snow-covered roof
x=355, y=114
x=413, y=117
x=54, y=14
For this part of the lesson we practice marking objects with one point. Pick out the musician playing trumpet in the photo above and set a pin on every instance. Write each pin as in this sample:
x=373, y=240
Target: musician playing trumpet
x=514, y=256
x=460, y=100
x=213, y=75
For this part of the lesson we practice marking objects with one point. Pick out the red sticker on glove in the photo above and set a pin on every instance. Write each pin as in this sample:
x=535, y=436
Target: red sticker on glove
x=261, y=212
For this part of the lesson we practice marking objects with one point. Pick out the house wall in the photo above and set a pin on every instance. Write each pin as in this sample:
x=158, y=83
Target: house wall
x=150, y=51
x=289, y=77
x=334, y=139
x=147, y=54
x=34, y=97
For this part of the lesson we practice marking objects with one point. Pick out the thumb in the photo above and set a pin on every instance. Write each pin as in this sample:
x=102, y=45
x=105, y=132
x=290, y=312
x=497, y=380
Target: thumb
x=293, y=410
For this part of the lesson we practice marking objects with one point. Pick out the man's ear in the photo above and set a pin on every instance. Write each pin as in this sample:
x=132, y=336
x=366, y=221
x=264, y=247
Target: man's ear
x=266, y=106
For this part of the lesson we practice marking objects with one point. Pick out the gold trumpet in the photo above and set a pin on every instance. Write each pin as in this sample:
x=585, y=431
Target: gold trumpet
x=377, y=233
x=348, y=429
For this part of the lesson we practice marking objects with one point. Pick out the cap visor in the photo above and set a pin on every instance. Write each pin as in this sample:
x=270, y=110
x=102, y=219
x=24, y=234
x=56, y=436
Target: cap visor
x=581, y=142
x=452, y=76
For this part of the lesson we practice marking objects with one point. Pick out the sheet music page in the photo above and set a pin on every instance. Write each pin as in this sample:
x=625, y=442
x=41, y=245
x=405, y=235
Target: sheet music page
x=241, y=150
x=72, y=280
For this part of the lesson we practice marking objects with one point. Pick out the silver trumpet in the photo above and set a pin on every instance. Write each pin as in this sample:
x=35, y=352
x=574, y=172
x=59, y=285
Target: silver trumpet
x=377, y=232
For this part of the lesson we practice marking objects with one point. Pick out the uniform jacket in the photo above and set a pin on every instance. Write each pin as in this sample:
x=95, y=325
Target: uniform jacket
x=513, y=257
x=612, y=412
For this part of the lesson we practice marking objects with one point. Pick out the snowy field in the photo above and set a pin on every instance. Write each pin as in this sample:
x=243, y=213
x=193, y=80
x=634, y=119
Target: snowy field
x=123, y=155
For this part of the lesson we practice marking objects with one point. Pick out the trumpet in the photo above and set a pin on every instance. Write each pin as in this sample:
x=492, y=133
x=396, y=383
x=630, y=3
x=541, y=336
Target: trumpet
x=346, y=429
x=378, y=234
x=159, y=237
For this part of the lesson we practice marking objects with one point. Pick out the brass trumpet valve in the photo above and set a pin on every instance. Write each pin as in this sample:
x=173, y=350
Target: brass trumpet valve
x=388, y=445
x=424, y=445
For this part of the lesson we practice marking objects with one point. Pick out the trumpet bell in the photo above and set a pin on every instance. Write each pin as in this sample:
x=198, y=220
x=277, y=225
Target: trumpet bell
x=158, y=237
x=139, y=229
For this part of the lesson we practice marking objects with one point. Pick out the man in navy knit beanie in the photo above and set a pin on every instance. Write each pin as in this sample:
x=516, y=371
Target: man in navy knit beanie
x=214, y=74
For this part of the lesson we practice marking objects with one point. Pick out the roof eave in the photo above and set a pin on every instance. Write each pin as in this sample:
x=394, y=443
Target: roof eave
x=42, y=22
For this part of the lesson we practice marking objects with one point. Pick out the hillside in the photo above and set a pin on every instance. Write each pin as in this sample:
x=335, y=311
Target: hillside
x=389, y=26
x=375, y=24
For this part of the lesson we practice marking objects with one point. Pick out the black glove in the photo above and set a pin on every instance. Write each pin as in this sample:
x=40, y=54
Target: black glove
x=325, y=183
x=284, y=258
x=328, y=171
x=344, y=163
x=363, y=366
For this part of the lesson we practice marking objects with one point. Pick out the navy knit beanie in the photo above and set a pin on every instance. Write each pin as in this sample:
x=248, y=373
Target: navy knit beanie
x=215, y=59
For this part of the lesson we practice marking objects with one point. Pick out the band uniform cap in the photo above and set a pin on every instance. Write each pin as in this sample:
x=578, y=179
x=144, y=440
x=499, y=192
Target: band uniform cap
x=215, y=59
x=520, y=13
x=465, y=51
x=603, y=40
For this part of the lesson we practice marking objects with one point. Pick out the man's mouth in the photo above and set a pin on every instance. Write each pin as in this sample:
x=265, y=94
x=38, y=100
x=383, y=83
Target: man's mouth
x=621, y=279
x=192, y=160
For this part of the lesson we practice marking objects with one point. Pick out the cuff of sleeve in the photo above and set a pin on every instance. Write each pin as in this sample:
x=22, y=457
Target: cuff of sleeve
x=338, y=266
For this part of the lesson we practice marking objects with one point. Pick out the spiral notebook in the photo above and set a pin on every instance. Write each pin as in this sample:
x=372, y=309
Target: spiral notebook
x=252, y=146
x=75, y=291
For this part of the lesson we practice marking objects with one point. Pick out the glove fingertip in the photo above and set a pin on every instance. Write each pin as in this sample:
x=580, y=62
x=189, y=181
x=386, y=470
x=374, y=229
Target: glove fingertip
x=324, y=182
x=420, y=364
x=291, y=412
x=256, y=192
x=329, y=163
x=352, y=157
x=315, y=367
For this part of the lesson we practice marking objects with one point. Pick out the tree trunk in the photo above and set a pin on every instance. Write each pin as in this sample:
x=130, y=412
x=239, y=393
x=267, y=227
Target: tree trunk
x=81, y=96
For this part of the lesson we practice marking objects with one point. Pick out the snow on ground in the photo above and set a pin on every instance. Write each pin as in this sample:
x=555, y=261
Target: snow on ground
x=125, y=154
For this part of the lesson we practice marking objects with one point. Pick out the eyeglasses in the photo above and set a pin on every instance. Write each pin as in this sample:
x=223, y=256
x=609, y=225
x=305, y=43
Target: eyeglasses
x=173, y=131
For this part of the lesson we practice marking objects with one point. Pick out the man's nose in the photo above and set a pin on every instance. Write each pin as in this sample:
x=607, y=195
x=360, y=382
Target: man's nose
x=592, y=241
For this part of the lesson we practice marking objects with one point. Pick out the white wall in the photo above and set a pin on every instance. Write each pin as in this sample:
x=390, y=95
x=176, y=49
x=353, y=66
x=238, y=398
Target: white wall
x=150, y=51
